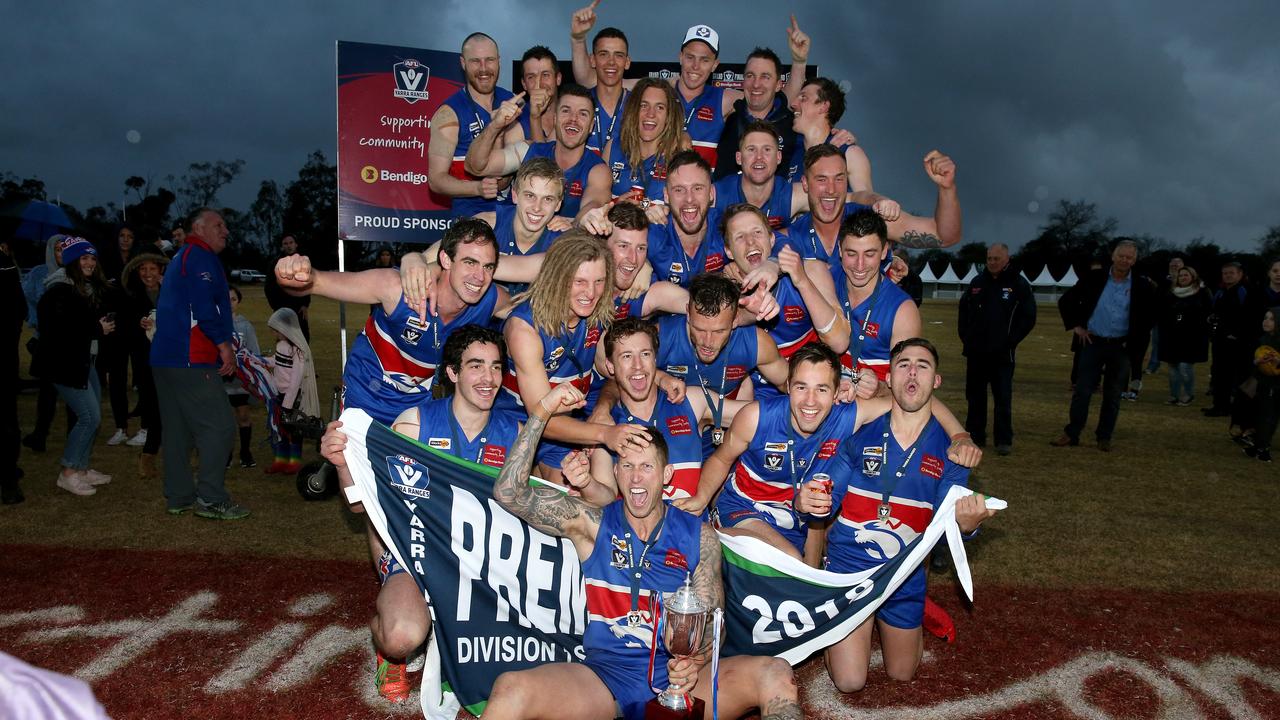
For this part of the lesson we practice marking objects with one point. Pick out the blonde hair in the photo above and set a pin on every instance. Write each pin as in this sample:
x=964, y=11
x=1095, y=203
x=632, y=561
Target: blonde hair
x=669, y=141
x=542, y=168
x=548, y=296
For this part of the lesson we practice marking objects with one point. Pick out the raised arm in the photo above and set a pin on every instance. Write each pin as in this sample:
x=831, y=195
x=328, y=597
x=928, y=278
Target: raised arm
x=769, y=361
x=546, y=508
x=799, y=44
x=819, y=272
x=944, y=229
x=487, y=157
x=380, y=285
x=580, y=23
x=822, y=312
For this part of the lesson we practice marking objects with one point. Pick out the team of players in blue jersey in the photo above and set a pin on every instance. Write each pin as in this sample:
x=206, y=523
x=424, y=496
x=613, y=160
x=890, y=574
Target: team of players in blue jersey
x=681, y=354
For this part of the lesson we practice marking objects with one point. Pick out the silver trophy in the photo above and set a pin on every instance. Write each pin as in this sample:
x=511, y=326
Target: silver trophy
x=684, y=625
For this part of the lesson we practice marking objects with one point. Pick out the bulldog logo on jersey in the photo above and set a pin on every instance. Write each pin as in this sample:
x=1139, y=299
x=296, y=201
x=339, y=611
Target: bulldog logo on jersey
x=619, y=552
x=411, y=80
x=408, y=476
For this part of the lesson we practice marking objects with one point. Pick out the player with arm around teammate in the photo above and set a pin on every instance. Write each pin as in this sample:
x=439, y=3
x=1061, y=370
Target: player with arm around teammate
x=619, y=546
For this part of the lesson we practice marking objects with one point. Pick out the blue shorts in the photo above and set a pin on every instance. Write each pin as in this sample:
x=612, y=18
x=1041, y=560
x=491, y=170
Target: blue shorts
x=904, y=609
x=629, y=682
x=733, y=509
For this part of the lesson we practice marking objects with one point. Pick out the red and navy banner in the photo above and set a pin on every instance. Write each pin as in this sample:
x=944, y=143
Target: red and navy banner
x=505, y=596
x=386, y=98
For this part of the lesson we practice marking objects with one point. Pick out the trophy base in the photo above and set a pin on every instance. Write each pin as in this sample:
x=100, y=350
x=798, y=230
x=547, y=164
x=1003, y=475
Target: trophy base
x=655, y=710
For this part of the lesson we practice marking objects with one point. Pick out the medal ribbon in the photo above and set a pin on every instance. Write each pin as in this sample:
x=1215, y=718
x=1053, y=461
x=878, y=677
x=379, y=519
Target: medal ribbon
x=638, y=569
x=855, y=349
x=887, y=485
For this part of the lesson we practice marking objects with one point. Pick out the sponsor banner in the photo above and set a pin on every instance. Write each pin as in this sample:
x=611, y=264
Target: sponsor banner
x=386, y=98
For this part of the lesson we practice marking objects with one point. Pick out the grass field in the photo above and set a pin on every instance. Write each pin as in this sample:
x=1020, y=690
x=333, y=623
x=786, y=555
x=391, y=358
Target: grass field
x=1176, y=506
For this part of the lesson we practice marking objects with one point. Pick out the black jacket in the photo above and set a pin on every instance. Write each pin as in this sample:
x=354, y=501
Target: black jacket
x=68, y=324
x=1184, y=328
x=780, y=116
x=1076, y=305
x=1237, y=314
x=996, y=313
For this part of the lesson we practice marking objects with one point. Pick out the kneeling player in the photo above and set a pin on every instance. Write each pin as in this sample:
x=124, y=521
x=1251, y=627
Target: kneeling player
x=899, y=473
x=618, y=546
x=465, y=425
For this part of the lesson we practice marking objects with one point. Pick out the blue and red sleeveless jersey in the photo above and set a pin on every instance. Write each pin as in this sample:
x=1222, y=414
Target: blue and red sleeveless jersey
x=505, y=231
x=704, y=120
x=395, y=357
x=778, y=459
x=439, y=429
x=566, y=357
x=608, y=122
x=575, y=178
x=870, y=323
x=724, y=375
x=679, y=427
x=633, y=308
x=804, y=239
x=471, y=121
x=795, y=167
x=647, y=181
x=671, y=263
x=859, y=539
x=777, y=209
x=607, y=577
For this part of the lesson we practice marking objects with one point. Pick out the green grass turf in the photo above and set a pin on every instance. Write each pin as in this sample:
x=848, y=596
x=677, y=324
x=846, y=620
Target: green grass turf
x=1175, y=506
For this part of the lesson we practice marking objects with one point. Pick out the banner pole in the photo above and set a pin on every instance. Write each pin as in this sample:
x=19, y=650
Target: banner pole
x=342, y=307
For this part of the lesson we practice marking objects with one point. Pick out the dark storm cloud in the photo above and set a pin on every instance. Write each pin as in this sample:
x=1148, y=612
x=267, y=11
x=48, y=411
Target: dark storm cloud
x=1162, y=113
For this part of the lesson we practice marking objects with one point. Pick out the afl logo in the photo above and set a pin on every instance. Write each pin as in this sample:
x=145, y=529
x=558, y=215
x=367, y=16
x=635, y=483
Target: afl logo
x=411, y=79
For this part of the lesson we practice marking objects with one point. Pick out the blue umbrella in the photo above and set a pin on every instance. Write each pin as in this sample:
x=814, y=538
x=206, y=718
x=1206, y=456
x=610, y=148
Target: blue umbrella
x=39, y=220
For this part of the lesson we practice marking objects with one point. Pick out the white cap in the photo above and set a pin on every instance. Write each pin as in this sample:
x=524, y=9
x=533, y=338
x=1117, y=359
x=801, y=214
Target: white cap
x=706, y=34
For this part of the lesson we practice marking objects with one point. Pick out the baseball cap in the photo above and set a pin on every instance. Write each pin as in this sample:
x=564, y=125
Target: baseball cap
x=706, y=34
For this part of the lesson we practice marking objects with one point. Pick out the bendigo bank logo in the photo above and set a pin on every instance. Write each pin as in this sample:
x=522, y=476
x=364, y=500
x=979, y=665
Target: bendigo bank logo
x=409, y=476
x=411, y=80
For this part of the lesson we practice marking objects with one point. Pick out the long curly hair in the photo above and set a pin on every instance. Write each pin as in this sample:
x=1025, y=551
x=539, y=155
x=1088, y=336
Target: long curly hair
x=549, y=295
x=669, y=140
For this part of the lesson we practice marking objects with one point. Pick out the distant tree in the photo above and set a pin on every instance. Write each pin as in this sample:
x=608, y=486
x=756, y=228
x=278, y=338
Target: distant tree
x=14, y=190
x=311, y=210
x=1269, y=244
x=1205, y=257
x=203, y=181
x=137, y=184
x=1073, y=235
x=267, y=212
x=935, y=258
x=153, y=207
x=972, y=253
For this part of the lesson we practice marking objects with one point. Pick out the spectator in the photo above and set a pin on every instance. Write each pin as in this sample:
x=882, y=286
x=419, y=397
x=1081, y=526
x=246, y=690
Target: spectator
x=1266, y=373
x=247, y=338
x=151, y=241
x=996, y=314
x=1271, y=293
x=113, y=351
x=900, y=273
x=1184, y=333
x=177, y=236
x=385, y=258
x=1095, y=265
x=1176, y=264
x=73, y=318
x=142, y=277
x=191, y=347
x=14, y=310
x=1234, y=322
x=294, y=376
x=1107, y=311
x=33, y=286
x=277, y=298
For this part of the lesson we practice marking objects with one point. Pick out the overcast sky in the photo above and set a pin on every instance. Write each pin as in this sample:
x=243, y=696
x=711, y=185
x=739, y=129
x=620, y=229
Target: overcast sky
x=1163, y=113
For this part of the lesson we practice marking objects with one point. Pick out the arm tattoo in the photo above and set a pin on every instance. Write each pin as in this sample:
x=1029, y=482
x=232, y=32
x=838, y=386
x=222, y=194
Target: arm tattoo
x=707, y=585
x=919, y=240
x=781, y=709
x=545, y=508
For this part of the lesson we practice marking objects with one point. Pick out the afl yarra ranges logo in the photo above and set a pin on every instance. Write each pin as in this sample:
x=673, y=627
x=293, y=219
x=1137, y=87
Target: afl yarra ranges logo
x=409, y=476
x=411, y=80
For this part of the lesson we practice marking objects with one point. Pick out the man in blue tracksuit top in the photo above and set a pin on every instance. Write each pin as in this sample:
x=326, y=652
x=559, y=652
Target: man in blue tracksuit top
x=191, y=348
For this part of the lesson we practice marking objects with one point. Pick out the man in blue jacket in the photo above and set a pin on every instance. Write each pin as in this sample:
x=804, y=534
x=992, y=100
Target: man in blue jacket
x=191, y=348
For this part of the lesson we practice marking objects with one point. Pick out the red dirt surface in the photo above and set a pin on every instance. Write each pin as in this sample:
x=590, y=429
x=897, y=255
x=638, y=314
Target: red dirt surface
x=170, y=635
